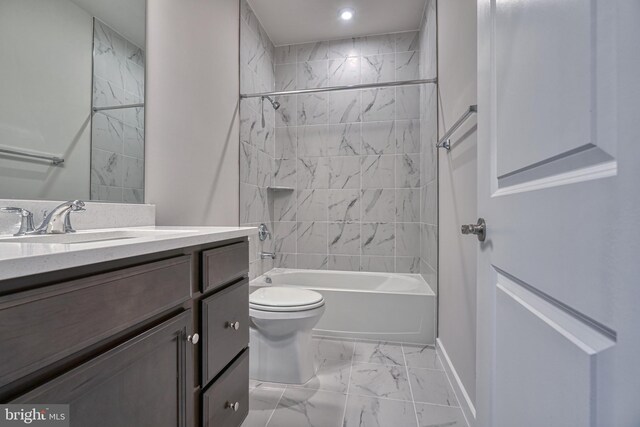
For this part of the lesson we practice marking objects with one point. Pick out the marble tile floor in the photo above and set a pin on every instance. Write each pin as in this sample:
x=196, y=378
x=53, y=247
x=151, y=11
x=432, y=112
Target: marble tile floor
x=361, y=384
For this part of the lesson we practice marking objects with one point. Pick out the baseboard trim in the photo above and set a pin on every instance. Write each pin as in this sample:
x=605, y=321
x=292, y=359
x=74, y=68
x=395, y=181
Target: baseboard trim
x=468, y=409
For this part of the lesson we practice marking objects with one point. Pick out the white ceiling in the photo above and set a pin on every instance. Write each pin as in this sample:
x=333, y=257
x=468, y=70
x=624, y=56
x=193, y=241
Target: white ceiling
x=127, y=17
x=302, y=21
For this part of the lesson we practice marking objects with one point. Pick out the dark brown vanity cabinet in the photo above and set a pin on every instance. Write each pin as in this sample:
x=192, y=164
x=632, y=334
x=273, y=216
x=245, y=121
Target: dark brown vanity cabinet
x=142, y=382
x=224, y=326
x=133, y=343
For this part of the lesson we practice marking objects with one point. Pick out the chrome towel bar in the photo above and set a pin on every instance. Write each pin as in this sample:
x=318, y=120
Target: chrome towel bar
x=55, y=160
x=117, y=107
x=445, y=141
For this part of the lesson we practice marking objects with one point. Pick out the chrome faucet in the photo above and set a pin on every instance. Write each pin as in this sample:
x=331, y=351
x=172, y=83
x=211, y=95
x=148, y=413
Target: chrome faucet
x=26, y=220
x=57, y=221
x=266, y=255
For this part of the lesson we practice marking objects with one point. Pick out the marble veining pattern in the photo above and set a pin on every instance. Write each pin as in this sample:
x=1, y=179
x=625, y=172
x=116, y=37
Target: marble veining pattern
x=427, y=136
x=344, y=205
x=348, y=392
x=343, y=139
x=379, y=68
x=345, y=107
x=263, y=162
x=117, y=149
x=360, y=160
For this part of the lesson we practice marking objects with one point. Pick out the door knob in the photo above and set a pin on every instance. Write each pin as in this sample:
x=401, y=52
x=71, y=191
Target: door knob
x=193, y=339
x=479, y=229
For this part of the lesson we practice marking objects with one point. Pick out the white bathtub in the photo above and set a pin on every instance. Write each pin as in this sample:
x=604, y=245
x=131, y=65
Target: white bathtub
x=376, y=306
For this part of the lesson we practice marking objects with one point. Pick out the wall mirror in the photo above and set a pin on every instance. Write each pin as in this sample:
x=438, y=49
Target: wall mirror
x=72, y=91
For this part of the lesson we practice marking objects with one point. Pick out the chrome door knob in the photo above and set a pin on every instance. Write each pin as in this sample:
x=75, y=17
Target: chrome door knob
x=479, y=229
x=233, y=325
x=233, y=406
x=193, y=339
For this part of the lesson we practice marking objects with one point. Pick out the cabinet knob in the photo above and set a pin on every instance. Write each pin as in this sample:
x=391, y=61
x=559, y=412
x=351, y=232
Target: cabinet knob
x=193, y=339
x=233, y=325
x=233, y=406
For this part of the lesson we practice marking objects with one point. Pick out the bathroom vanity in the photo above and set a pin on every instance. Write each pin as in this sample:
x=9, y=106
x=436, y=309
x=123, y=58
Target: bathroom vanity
x=142, y=326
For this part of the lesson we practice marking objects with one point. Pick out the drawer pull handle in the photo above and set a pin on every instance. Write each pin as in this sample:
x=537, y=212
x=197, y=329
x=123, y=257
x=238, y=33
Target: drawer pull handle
x=193, y=339
x=233, y=406
x=233, y=325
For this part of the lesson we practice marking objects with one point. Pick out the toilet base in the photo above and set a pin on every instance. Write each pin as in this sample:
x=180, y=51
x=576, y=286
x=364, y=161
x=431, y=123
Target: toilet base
x=286, y=359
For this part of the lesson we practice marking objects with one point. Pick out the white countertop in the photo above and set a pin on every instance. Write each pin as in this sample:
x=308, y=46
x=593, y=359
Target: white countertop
x=23, y=259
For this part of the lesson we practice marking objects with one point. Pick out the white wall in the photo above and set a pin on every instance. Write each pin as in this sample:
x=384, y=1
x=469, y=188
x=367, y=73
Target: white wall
x=192, y=167
x=458, y=193
x=45, y=97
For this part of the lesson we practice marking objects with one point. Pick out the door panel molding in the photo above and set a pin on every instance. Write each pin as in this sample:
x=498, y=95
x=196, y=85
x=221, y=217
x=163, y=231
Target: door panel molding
x=586, y=333
x=582, y=164
x=555, y=93
x=598, y=171
x=547, y=356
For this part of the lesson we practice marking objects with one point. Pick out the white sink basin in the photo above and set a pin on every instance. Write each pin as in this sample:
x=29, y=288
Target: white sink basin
x=90, y=236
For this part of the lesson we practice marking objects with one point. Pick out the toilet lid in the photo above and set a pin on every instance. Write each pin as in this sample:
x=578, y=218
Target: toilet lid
x=276, y=298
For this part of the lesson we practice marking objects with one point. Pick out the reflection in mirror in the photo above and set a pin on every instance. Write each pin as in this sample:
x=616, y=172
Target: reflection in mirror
x=72, y=99
x=117, y=152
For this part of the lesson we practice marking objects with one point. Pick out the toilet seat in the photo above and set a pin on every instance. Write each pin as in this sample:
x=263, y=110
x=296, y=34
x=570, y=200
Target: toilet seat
x=284, y=299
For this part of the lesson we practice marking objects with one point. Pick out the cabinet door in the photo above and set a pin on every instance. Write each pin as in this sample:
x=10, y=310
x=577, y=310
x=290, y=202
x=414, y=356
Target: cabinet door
x=142, y=382
x=43, y=326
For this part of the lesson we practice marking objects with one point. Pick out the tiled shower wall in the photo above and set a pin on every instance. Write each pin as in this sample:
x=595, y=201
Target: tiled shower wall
x=117, y=141
x=352, y=157
x=429, y=154
x=357, y=167
x=257, y=128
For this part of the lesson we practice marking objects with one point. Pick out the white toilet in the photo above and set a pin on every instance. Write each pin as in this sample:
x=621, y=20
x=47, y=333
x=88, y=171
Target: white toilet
x=281, y=322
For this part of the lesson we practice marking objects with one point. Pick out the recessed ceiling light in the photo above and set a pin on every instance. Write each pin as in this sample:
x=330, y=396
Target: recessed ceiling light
x=346, y=14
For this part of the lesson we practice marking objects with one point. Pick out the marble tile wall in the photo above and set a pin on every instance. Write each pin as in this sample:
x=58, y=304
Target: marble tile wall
x=428, y=152
x=117, y=137
x=257, y=134
x=353, y=158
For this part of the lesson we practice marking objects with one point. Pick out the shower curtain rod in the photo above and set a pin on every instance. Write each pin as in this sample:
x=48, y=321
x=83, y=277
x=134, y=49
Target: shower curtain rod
x=338, y=88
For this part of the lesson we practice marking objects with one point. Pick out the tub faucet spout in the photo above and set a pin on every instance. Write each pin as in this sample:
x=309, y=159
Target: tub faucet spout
x=267, y=255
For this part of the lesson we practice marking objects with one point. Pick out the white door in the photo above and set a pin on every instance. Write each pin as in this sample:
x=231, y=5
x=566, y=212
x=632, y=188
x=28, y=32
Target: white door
x=559, y=186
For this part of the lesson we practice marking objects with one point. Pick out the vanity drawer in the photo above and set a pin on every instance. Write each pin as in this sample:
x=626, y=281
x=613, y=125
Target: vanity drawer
x=222, y=265
x=230, y=389
x=221, y=340
x=45, y=325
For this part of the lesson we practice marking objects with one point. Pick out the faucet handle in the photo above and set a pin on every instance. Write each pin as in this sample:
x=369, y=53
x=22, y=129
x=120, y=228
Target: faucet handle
x=26, y=219
x=77, y=206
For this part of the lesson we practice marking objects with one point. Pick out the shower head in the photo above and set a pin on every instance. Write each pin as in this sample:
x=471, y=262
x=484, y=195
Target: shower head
x=274, y=104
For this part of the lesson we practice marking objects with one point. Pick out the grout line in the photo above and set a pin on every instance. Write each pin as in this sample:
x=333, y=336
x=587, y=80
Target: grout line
x=400, y=400
x=274, y=409
x=344, y=413
x=413, y=400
